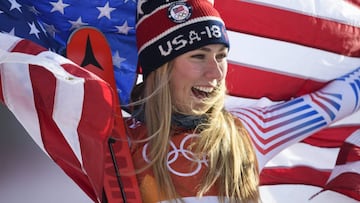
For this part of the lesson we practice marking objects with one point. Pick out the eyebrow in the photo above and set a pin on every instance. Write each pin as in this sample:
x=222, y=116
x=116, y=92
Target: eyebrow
x=208, y=49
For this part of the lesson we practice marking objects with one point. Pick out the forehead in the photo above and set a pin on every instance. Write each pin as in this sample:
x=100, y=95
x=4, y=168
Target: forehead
x=214, y=47
x=211, y=48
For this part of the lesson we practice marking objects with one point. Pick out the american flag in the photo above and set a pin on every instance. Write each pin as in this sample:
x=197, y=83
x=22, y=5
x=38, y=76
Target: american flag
x=54, y=100
x=50, y=23
x=283, y=49
x=279, y=50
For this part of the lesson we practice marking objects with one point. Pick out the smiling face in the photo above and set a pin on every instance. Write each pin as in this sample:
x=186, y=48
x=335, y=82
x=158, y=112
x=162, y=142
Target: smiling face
x=195, y=75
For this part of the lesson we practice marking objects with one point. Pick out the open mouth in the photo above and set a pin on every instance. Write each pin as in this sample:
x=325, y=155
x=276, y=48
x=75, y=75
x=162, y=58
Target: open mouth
x=201, y=92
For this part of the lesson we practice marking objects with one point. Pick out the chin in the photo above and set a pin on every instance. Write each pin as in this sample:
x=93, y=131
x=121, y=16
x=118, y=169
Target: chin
x=200, y=108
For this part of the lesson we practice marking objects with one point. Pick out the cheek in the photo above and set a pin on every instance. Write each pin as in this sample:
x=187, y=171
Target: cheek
x=181, y=83
x=224, y=69
x=186, y=75
x=178, y=87
x=178, y=94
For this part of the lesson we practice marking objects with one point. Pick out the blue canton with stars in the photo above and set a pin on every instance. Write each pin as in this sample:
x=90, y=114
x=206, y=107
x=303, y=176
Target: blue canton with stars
x=51, y=22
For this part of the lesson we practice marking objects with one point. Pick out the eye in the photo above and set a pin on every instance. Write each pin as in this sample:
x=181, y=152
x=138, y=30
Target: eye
x=221, y=56
x=198, y=56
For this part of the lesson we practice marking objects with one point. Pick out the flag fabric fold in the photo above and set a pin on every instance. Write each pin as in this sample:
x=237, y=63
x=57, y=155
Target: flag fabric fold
x=54, y=99
x=284, y=49
x=345, y=177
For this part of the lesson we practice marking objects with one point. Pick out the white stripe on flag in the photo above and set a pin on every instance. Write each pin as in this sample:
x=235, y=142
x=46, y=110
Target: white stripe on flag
x=232, y=102
x=354, y=138
x=352, y=119
x=8, y=42
x=257, y=52
x=20, y=99
x=301, y=154
x=337, y=10
x=68, y=105
x=297, y=193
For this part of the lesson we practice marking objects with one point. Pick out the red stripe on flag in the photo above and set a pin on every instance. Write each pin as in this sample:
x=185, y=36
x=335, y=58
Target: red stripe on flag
x=331, y=137
x=28, y=47
x=294, y=175
x=355, y=2
x=347, y=184
x=266, y=82
x=289, y=26
x=348, y=153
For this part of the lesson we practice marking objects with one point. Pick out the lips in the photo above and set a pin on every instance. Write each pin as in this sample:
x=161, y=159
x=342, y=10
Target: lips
x=201, y=91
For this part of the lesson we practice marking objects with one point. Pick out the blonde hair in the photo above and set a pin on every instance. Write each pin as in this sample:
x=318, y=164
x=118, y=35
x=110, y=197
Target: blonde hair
x=232, y=166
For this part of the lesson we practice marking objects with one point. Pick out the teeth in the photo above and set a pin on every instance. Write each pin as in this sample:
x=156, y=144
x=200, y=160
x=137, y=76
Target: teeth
x=204, y=89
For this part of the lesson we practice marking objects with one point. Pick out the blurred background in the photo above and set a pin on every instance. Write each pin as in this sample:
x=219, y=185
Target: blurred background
x=27, y=174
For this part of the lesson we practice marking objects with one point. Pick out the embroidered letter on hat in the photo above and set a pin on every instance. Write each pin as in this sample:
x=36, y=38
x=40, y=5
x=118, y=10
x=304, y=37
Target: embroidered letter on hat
x=194, y=35
x=177, y=41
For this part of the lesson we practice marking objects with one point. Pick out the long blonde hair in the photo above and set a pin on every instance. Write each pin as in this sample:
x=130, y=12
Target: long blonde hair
x=232, y=166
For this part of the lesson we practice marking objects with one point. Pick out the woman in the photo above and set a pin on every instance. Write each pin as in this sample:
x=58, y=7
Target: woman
x=185, y=144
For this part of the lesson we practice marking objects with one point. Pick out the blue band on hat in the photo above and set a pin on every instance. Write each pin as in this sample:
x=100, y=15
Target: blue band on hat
x=180, y=41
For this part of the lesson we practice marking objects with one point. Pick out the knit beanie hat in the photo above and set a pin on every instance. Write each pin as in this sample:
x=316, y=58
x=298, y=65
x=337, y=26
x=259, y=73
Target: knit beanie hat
x=166, y=29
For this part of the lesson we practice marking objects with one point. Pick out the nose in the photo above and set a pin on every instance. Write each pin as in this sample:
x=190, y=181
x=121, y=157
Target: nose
x=214, y=70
